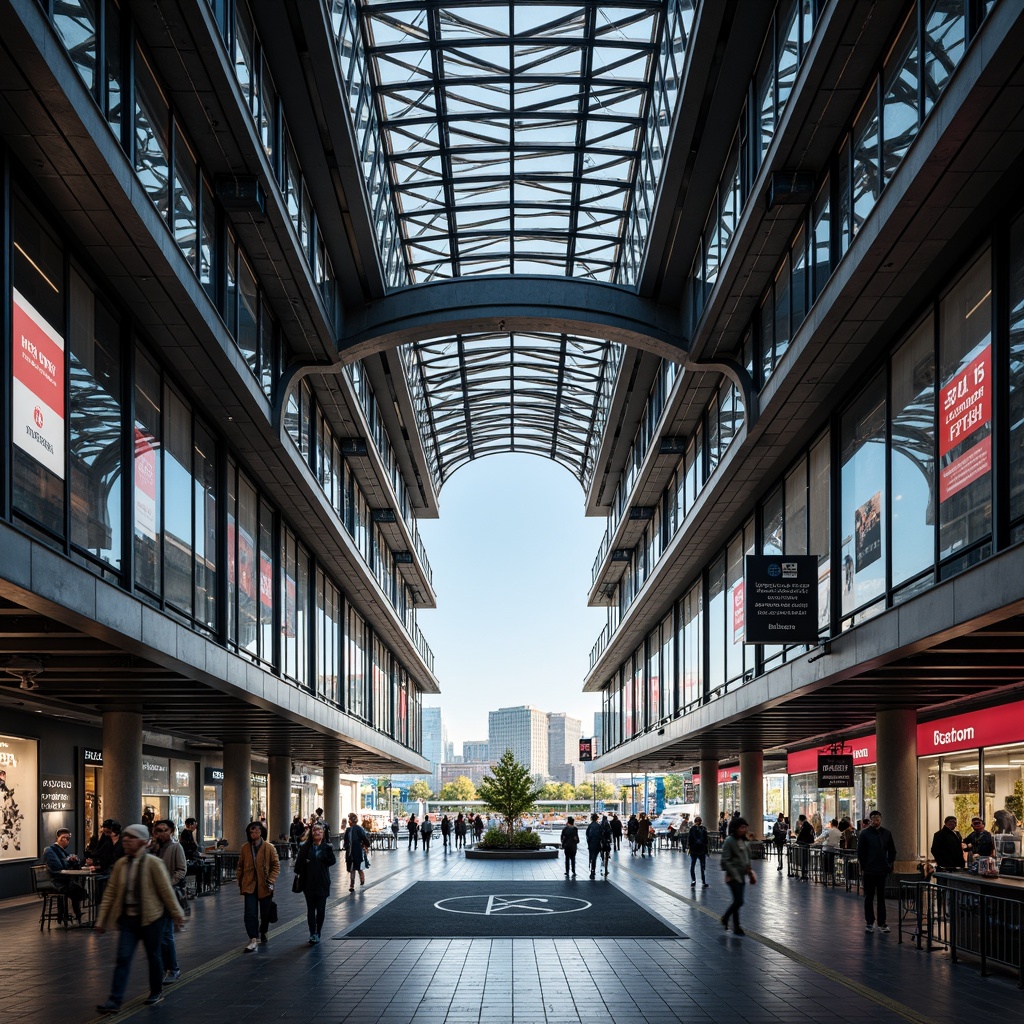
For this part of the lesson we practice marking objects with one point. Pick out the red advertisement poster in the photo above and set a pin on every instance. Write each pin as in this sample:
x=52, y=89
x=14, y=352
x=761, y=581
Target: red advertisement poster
x=145, y=484
x=737, y=612
x=288, y=620
x=966, y=408
x=37, y=399
x=266, y=581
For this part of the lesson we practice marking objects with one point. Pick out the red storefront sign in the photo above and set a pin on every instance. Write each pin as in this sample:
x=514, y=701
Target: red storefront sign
x=991, y=727
x=862, y=748
x=724, y=775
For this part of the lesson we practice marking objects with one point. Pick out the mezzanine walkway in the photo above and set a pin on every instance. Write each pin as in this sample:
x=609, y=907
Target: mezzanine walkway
x=805, y=956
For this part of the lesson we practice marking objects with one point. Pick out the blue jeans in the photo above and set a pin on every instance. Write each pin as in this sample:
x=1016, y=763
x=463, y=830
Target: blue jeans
x=257, y=914
x=694, y=858
x=168, y=951
x=132, y=933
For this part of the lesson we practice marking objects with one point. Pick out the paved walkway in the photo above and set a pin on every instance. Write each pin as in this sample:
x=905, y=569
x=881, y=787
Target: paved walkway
x=805, y=956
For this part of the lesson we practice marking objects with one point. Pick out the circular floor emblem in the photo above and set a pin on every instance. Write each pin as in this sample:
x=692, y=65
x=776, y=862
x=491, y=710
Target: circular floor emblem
x=517, y=905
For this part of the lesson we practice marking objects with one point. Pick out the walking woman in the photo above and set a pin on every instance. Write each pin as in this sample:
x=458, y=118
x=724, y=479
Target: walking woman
x=313, y=866
x=736, y=865
x=355, y=855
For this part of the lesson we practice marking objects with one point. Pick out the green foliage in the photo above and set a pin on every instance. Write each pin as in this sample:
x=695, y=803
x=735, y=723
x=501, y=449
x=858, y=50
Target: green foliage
x=461, y=788
x=1015, y=803
x=509, y=791
x=420, y=790
x=496, y=838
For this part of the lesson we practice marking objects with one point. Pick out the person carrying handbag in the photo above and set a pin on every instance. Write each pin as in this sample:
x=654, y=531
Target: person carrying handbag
x=313, y=878
x=355, y=840
x=258, y=868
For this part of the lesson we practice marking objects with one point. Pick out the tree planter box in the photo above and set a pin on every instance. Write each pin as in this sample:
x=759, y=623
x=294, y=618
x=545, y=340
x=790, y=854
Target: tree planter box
x=484, y=853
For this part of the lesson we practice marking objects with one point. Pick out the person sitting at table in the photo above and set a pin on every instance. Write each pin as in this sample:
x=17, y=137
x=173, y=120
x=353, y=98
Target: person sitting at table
x=110, y=848
x=57, y=860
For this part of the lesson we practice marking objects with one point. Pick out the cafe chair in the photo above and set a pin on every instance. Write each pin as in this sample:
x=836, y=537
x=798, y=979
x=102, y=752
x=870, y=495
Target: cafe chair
x=55, y=904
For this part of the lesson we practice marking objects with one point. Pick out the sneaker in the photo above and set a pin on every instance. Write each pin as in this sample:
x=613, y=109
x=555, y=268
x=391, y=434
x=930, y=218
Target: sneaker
x=869, y=928
x=171, y=976
x=251, y=948
x=312, y=939
x=885, y=929
x=156, y=997
x=108, y=1007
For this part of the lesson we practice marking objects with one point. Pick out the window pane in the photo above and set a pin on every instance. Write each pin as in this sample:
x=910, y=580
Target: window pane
x=232, y=563
x=205, y=484
x=148, y=403
x=177, y=501
x=716, y=625
x=822, y=254
x=151, y=143
x=819, y=527
x=734, y=609
x=862, y=521
x=965, y=410
x=115, y=67
x=782, y=321
x=246, y=334
x=945, y=35
x=185, y=207
x=796, y=511
x=250, y=569
x=788, y=34
x=208, y=243
x=900, y=81
x=95, y=414
x=1016, y=292
x=38, y=358
x=865, y=163
x=912, y=456
x=266, y=577
x=75, y=22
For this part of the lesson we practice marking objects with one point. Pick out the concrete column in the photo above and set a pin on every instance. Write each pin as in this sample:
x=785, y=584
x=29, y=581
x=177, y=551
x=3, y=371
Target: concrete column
x=237, y=792
x=279, y=799
x=122, y=766
x=709, y=793
x=896, y=735
x=752, y=791
x=332, y=801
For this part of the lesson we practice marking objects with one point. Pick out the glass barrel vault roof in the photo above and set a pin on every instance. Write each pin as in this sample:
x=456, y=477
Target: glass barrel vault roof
x=514, y=134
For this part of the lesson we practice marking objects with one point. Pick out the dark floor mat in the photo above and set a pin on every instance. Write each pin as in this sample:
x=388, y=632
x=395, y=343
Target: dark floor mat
x=511, y=910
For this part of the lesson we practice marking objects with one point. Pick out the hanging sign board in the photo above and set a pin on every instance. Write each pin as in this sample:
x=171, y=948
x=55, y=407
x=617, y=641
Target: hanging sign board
x=57, y=793
x=781, y=598
x=835, y=770
x=587, y=749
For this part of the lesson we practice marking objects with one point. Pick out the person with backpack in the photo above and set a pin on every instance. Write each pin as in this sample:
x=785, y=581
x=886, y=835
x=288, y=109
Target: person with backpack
x=697, y=847
x=570, y=842
x=426, y=831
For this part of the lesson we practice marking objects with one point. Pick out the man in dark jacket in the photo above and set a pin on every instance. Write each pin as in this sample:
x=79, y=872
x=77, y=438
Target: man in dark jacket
x=616, y=831
x=876, y=854
x=57, y=860
x=979, y=840
x=948, y=846
x=697, y=847
x=570, y=841
x=804, y=841
x=594, y=833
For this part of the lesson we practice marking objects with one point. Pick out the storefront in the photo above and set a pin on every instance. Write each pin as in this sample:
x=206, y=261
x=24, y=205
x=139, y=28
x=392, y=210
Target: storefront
x=774, y=800
x=974, y=764
x=822, y=805
x=212, y=821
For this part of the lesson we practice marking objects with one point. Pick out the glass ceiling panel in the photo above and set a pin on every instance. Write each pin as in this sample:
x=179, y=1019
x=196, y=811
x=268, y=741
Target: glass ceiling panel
x=516, y=138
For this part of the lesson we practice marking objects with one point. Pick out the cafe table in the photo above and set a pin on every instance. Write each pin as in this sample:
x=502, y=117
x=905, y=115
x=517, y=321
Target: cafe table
x=90, y=880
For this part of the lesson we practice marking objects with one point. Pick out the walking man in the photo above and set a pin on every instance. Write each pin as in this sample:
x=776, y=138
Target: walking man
x=876, y=854
x=804, y=840
x=736, y=865
x=697, y=847
x=173, y=857
x=426, y=831
x=616, y=832
x=258, y=868
x=593, y=843
x=414, y=832
x=780, y=835
x=570, y=841
x=138, y=899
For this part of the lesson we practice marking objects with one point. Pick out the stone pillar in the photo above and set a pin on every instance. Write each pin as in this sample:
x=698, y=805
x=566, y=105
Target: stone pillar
x=237, y=792
x=279, y=800
x=896, y=740
x=752, y=791
x=709, y=792
x=332, y=802
x=122, y=766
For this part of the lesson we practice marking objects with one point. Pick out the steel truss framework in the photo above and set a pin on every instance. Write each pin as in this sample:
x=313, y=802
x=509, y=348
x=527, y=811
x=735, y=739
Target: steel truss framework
x=514, y=135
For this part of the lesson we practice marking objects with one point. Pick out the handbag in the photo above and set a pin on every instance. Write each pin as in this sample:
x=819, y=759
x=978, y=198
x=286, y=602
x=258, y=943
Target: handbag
x=297, y=885
x=272, y=912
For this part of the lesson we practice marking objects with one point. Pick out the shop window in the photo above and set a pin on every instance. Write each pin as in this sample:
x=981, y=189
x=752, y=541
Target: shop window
x=966, y=386
x=94, y=399
x=38, y=369
x=863, y=527
x=911, y=455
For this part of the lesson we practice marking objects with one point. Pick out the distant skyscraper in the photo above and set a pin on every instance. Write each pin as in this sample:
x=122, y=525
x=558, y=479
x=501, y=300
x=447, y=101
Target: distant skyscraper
x=476, y=750
x=524, y=731
x=563, y=747
x=435, y=744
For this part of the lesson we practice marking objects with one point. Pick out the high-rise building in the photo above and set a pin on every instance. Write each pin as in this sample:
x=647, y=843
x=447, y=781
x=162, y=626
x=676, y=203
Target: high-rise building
x=524, y=731
x=476, y=750
x=436, y=746
x=564, y=747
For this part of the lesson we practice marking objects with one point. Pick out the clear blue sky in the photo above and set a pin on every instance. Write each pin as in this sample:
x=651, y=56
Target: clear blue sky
x=511, y=555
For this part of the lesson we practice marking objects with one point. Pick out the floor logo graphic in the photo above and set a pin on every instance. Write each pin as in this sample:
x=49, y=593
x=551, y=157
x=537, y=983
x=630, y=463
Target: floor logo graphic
x=518, y=905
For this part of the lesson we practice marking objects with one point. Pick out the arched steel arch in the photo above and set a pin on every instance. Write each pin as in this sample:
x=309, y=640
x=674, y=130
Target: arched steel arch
x=512, y=363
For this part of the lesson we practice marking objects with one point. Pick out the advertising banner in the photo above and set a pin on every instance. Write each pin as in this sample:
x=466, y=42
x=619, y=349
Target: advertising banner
x=966, y=408
x=781, y=594
x=145, y=485
x=266, y=581
x=867, y=529
x=737, y=612
x=587, y=749
x=19, y=798
x=37, y=397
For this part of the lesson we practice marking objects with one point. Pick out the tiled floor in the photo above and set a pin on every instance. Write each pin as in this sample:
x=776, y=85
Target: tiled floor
x=805, y=957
